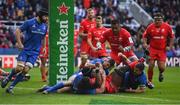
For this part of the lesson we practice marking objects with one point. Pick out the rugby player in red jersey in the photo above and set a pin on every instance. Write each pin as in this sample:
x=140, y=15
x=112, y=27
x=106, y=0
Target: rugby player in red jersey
x=120, y=41
x=44, y=52
x=85, y=25
x=157, y=34
x=95, y=34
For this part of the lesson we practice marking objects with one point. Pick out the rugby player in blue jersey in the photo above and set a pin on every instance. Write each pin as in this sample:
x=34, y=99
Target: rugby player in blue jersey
x=34, y=31
x=134, y=79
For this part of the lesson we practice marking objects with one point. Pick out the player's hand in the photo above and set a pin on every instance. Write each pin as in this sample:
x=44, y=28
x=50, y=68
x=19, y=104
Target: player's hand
x=44, y=50
x=94, y=49
x=20, y=46
x=169, y=48
x=121, y=49
x=145, y=46
x=120, y=54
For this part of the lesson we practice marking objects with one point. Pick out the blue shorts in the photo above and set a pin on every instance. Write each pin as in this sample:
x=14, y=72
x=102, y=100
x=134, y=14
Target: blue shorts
x=24, y=56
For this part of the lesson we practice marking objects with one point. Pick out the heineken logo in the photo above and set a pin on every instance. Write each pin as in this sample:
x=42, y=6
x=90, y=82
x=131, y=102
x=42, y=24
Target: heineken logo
x=61, y=40
x=63, y=9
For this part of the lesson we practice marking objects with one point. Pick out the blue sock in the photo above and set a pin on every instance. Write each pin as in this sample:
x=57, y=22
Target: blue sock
x=55, y=87
x=19, y=78
x=12, y=73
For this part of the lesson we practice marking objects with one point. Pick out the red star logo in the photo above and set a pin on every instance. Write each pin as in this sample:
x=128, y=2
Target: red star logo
x=63, y=9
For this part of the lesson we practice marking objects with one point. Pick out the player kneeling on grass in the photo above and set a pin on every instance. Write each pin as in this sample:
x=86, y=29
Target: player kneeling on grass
x=83, y=81
x=134, y=79
x=35, y=30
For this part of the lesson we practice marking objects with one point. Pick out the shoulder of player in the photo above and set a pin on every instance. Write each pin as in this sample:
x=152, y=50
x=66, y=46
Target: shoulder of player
x=84, y=21
x=166, y=24
x=124, y=32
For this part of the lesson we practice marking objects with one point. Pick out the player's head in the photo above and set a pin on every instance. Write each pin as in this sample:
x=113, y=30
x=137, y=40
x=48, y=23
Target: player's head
x=158, y=19
x=43, y=15
x=90, y=13
x=98, y=21
x=115, y=26
x=107, y=64
x=84, y=58
x=139, y=68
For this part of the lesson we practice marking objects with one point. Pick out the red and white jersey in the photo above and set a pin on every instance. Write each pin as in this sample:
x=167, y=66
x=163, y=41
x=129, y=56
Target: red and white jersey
x=158, y=35
x=95, y=34
x=85, y=25
x=123, y=38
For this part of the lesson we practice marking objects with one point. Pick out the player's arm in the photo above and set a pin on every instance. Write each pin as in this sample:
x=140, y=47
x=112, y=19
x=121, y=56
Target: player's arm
x=124, y=58
x=145, y=35
x=171, y=36
x=102, y=87
x=82, y=33
x=127, y=39
x=18, y=35
x=89, y=40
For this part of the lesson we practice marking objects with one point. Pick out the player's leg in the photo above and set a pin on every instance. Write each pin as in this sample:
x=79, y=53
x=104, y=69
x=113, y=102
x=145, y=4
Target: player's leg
x=3, y=73
x=43, y=69
x=14, y=71
x=150, y=74
x=63, y=90
x=18, y=79
x=57, y=86
x=28, y=65
x=161, y=66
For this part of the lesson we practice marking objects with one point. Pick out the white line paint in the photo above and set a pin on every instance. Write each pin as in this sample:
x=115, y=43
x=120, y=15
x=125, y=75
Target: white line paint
x=117, y=95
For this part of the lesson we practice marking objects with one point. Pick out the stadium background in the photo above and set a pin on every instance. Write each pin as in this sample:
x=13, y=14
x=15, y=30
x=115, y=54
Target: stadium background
x=14, y=12
x=133, y=15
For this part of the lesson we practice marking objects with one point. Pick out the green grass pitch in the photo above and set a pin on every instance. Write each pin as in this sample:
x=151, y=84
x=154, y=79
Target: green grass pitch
x=167, y=92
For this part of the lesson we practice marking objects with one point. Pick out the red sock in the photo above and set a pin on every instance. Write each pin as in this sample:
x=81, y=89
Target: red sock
x=0, y=72
x=150, y=75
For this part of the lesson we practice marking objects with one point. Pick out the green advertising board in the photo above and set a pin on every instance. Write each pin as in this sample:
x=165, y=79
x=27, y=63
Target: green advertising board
x=61, y=33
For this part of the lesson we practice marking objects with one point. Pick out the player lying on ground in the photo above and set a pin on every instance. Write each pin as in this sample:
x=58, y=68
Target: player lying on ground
x=83, y=81
x=134, y=79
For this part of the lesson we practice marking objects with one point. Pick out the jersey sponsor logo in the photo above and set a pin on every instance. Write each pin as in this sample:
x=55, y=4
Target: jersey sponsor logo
x=130, y=40
x=158, y=37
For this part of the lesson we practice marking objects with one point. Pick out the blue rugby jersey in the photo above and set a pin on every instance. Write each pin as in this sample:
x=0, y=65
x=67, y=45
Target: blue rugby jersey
x=34, y=32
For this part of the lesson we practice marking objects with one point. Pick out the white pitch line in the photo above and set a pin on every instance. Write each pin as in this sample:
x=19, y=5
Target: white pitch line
x=119, y=95
x=157, y=99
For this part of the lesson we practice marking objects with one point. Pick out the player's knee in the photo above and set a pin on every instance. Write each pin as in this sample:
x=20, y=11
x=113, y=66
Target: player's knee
x=26, y=69
x=19, y=68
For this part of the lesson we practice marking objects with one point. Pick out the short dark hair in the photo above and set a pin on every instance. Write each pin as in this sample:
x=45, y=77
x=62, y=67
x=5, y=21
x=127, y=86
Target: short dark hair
x=111, y=62
x=114, y=21
x=86, y=71
x=158, y=15
x=140, y=66
x=42, y=12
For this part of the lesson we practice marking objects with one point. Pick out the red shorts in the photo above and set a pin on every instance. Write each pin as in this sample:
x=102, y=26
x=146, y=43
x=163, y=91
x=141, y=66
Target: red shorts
x=114, y=56
x=84, y=48
x=108, y=86
x=157, y=54
x=99, y=53
x=44, y=54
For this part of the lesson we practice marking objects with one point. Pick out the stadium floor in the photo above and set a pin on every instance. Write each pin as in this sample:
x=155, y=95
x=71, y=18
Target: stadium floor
x=167, y=92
